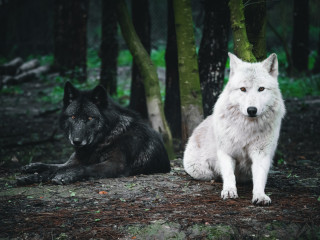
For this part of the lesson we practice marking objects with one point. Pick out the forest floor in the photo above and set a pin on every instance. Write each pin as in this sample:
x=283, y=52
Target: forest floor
x=159, y=206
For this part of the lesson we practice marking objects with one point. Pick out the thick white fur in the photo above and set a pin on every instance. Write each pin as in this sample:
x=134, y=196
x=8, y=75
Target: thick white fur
x=230, y=144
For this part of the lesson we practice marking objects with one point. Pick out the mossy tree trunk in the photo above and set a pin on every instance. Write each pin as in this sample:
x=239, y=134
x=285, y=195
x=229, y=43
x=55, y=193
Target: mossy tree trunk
x=213, y=52
x=242, y=46
x=256, y=21
x=109, y=47
x=149, y=75
x=172, y=101
x=189, y=82
x=141, y=23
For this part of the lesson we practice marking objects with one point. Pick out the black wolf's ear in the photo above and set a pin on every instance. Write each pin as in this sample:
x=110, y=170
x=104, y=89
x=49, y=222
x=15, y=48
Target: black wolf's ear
x=99, y=96
x=271, y=64
x=70, y=93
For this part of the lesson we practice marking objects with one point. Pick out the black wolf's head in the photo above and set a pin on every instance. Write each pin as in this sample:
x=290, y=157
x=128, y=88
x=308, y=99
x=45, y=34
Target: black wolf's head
x=82, y=117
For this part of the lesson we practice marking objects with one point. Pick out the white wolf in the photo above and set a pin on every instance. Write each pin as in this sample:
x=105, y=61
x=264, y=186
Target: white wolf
x=238, y=141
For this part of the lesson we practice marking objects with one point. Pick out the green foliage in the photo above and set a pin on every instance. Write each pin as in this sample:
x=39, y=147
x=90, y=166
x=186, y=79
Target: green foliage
x=300, y=87
x=312, y=59
x=93, y=59
x=124, y=58
x=158, y=57
x=11, y=90
x=44, y=60
x=3, y=60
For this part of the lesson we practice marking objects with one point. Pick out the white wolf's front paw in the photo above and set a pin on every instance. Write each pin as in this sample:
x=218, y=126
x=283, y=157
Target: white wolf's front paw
x=261, y=199
x=229, y=193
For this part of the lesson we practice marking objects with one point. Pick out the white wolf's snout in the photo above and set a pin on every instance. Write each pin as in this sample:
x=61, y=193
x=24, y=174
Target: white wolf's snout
x=252, y=111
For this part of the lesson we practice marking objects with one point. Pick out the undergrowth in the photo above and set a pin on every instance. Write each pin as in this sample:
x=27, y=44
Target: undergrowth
x=298, y=87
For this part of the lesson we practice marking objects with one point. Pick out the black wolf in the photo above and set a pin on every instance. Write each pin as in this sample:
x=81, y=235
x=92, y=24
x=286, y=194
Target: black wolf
x=109, y=141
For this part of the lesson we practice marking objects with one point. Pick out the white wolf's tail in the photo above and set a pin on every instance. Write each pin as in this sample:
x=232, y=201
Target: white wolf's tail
x=194, y=165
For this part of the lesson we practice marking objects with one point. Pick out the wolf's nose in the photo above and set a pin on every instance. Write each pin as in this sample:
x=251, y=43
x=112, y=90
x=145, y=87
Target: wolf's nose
x=252, y=111
x=77, y=142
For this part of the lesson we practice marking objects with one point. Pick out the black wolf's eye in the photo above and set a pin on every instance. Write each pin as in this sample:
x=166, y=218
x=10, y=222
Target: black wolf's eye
x=261, y=89
x=90, y=118
x=73, y=117
x=243, y=89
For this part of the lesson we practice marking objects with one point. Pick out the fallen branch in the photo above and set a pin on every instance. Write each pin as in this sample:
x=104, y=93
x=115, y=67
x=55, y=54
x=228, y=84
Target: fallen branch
x=11, y=67
x=27, y=66
x=26, y=76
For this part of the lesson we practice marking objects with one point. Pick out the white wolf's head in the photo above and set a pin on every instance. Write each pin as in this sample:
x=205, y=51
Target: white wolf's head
x=253, y=87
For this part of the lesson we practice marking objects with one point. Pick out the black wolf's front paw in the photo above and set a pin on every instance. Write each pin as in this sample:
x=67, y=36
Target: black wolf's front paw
x=62, y=179
x=70, y=175
x=35, y=168
x=34, y=178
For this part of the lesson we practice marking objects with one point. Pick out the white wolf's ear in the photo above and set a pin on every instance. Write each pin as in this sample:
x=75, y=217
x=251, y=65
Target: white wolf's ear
x=234, y=62
x=271, y=64
x=99, y=96
x=70, y=93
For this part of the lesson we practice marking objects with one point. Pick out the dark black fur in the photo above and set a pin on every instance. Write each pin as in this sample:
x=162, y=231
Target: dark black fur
x=109, y=141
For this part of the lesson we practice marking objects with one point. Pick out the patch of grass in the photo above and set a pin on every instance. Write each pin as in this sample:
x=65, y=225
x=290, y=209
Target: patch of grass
x=11, y=90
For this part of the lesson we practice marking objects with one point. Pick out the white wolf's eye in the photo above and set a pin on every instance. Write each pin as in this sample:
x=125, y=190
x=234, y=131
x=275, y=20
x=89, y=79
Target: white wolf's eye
x=90, y=118
x=260, y=89
x=73, y=117
x=243, y=89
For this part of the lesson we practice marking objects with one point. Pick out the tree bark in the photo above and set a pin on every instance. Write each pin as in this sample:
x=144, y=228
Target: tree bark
x=300, y=39
x=149, y=75
x=70, y=38
x=242, y=46
x=109, y=47
x=256, y=19
x=213, y=52
x=172, y=102
x=190, y=92
x=141, y=22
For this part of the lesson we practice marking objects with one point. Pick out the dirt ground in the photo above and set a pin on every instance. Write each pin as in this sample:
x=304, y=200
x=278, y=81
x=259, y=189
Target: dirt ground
x=160, y=206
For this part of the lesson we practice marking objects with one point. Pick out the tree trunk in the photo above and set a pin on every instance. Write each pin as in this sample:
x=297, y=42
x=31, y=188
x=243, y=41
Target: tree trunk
x=213, y=51
x=256, y=19
x=70, y=38
x=300, y=39
x=109, y=47
x=141, y=22
x=242, y=46
x=149, y=75
x=172, y=102
x=190, y=92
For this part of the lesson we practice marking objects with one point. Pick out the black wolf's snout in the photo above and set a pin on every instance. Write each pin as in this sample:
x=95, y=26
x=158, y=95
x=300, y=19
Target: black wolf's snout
x=252, y=111
x=78, y=142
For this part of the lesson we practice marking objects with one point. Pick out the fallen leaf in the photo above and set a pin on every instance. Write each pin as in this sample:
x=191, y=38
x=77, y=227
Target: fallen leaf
x=103, y=192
